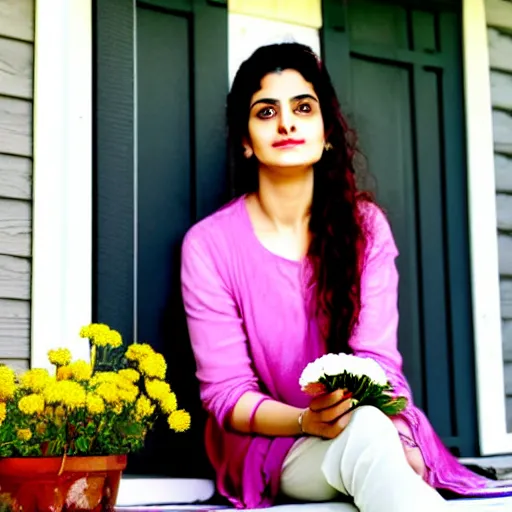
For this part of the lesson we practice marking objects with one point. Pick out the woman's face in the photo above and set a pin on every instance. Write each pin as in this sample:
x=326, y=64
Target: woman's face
x=286, y=128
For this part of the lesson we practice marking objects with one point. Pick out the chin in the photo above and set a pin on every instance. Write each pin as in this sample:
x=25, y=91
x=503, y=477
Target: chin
x=296, y=163
x=289, y=170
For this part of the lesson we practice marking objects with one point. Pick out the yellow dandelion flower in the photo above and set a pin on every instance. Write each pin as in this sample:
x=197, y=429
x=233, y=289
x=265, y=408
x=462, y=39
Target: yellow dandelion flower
x=109, y=392
x=157, y=389
x=65, y=392
x=60, y=412
x=101, y=339
x=179, y=421
x=100, y=335
x=59, y=357
x=100, y=377
x=117, y=408
x=130, y=375
x=52, y=393
x=64, y=372
x=48, y=410
x=31, y=404
x=24, y=434
x=122, y=382
x=85, y=331
x=3, y=412
x=153, y=365
x=128, y=394
x=95, y=404
x=169, y=403
x=81, y=370
x=35, y=380
x=40, y=429
x=98, y=329
x=115, y=339
x=143, y=408
x=139, y=351
x=7, y=382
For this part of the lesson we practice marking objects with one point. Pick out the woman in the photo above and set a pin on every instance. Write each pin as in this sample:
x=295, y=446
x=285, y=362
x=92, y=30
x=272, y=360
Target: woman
x=298, y=265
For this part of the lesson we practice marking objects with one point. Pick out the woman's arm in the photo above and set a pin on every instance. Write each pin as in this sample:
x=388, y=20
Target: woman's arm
x=223, y=365
x=326, y=416
x=266, y=417
x=375, y=334
x=229, y=387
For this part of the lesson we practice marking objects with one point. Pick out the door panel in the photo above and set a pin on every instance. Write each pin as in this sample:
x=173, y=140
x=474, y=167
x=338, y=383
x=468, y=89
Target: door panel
x=397, y=68
x=164, y=160
x=383, y=114
x=173, y=171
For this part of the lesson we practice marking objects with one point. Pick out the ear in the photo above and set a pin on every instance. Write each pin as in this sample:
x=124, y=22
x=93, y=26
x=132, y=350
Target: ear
x=248, y=152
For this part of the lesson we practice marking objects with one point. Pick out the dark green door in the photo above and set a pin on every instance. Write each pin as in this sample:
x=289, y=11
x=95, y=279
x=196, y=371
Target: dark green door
x=397, y=68
x=161, y=85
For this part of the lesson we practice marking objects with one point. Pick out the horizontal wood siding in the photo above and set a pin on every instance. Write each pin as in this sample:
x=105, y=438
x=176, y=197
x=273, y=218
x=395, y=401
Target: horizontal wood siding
x=16, y=94
x=499, y=21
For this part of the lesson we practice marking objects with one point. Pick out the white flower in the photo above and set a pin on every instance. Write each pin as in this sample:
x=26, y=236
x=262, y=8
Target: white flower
x=331, y=365
x=365, y=366
x=311, y=373
x=375, y=371
x=334, y=364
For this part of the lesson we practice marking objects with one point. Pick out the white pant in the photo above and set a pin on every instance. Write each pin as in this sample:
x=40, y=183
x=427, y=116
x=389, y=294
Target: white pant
x=365, y=462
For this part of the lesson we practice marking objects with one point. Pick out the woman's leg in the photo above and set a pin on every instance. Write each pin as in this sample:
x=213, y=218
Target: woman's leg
x=366, y=462
x=302, y=478
x=411, y=449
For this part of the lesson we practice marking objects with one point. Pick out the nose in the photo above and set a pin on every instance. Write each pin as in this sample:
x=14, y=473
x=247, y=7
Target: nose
x=286, y=122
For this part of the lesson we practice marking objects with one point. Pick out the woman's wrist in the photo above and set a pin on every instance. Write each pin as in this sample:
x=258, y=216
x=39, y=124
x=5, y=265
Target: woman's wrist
x=300, y=421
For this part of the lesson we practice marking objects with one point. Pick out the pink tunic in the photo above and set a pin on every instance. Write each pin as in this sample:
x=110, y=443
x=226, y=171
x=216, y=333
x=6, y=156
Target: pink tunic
x=251, y=326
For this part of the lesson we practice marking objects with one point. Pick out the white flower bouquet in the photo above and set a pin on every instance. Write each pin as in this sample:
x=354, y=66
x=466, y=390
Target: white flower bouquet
x=363, y=379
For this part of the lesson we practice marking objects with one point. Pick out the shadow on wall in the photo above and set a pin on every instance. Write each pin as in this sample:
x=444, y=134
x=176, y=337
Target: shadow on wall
x=171, y=454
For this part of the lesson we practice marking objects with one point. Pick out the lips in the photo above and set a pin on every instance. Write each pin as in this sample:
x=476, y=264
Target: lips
x=288, y=143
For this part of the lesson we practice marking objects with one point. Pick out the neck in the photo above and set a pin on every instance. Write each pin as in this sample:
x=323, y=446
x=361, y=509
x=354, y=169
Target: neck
x=285, y=200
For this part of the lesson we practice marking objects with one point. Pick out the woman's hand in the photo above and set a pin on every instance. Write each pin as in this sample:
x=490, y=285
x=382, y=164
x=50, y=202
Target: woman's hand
x=327, y=415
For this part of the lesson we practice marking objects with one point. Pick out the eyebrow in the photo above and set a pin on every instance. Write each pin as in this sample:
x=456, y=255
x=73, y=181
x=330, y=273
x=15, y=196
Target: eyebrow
x=271, y=101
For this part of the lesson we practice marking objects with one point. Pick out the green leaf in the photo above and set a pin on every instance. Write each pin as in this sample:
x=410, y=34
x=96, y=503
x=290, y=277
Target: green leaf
x=82, y=444
x=90, y=429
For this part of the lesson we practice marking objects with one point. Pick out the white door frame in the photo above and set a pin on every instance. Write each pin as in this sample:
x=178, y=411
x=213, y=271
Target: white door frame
x=62, y=185
x=490, y=381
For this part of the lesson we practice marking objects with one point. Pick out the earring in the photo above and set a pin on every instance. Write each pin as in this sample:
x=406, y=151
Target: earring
x=248, y=153
x=327, y=146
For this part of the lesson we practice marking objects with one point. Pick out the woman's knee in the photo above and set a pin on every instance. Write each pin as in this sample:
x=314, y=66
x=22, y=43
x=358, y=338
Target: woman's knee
x=368, y=420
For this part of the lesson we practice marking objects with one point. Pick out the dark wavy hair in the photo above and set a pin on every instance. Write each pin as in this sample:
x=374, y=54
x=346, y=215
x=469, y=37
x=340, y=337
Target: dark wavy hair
x=336, y=225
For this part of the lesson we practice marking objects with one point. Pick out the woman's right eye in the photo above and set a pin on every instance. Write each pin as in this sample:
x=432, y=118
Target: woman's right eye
x=267, y=113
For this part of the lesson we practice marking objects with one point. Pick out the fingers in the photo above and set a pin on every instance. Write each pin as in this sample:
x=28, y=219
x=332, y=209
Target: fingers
x=329, y=422
x=336, y=411
x=334, y=429
x=328, y=400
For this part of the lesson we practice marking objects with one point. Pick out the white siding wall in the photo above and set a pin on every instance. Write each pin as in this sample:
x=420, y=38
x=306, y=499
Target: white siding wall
x=16, y=93
x=499, y=21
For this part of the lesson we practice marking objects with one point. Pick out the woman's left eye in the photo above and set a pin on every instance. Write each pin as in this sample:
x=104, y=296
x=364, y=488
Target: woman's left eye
x=304, y=108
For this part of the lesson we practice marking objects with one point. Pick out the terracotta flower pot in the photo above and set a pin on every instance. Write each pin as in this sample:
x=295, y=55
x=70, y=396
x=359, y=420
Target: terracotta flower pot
x=57, y=484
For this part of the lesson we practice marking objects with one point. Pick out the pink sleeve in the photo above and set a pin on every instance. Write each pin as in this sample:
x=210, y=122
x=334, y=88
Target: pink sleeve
x=216, y=332
x=376, y=333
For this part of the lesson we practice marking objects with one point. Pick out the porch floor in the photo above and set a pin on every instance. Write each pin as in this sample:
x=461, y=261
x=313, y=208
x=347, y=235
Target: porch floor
x=136, y=494
x=490, y=505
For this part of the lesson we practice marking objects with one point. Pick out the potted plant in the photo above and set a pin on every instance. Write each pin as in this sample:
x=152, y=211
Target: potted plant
x=65, y=435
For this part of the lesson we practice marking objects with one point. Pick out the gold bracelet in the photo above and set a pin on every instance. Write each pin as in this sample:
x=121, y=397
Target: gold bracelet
x=299, y=420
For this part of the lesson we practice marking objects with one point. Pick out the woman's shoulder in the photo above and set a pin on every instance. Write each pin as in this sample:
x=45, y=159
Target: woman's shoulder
x=377, y=228
x=217, y=230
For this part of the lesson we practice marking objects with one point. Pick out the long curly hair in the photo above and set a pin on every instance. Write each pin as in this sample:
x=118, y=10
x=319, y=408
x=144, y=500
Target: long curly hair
x=336, y=224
